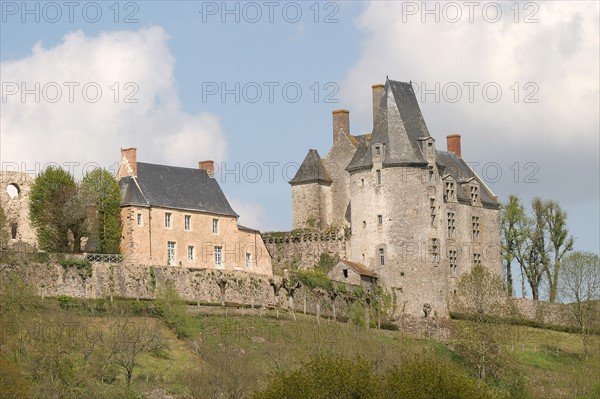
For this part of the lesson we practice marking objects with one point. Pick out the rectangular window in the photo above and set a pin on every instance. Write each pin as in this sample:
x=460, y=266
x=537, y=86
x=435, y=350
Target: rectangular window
x=452, y=257
x=140, y=221
x=432, y=208
x=167, y=220
x=430, y=174
x=187, y=222
x=248, y=260
x=215, y=226
x=171, y=253
x=475, y=227
x=378, y=174
x=380, y=219
x=434, y=249
x=378, y=150
x=451, y=224
x=381, y=257
x=476, y=259
x=191, y=253
x=218, y=256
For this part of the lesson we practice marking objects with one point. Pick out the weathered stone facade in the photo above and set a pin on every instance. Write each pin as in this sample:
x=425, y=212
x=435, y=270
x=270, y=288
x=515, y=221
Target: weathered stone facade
x=419, y=217
x=147, y=242
x=14, y=198
x=302, y=249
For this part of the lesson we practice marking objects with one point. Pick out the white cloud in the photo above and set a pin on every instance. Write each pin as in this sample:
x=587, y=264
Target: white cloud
x=252, y=214
x=559, y=54
x=82, y=131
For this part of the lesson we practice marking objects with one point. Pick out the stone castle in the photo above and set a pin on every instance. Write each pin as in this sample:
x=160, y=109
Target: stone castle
x=414, y=218
x=419, y=217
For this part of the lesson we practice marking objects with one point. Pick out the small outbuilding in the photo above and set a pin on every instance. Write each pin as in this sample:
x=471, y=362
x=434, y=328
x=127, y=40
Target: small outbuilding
x=355, y=273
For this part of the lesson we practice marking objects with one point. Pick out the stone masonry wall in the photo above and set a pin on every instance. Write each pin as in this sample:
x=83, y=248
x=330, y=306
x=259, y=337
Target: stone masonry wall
x=17, y=208
x=291, y=250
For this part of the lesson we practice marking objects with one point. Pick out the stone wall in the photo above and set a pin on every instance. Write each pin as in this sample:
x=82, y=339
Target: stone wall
x=17, y=207
x=105, y=280
x=302, y=249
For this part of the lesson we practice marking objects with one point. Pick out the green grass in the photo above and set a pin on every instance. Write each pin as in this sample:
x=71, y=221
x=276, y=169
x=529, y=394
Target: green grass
x=245, y=349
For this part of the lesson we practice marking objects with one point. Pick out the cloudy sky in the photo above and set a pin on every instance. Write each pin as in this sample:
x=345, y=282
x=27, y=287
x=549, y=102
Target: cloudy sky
x=252, y=86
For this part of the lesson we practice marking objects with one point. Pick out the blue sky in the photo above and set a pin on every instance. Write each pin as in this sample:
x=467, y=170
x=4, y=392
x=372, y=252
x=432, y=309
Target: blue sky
x=539, y=138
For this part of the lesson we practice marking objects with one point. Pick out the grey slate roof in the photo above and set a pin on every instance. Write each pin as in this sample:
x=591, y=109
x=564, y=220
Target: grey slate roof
x=399, y=125
x=174, y=187
x=312, y=170
x=460, y=171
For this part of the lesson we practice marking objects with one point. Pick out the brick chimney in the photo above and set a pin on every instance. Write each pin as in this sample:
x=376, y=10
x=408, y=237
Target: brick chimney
x=208, y=166
x=377, y=95
x=453, y=141
x=128, y=165
x=341, y=124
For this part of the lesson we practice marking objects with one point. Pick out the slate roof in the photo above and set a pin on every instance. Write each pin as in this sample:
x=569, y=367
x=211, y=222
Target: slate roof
x=460, y=171
x=174, y=187
x=312, y=170
x=399, y=125
x=359, y=268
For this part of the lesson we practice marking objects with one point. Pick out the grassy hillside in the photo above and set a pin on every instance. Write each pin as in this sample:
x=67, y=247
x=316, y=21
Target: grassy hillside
x=67, y=348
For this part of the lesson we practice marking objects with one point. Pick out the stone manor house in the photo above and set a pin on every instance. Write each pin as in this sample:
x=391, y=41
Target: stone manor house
x=419, y=216
x=180, y=217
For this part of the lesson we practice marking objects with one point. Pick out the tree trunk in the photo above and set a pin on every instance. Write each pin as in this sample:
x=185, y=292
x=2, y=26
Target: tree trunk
x=509, y=279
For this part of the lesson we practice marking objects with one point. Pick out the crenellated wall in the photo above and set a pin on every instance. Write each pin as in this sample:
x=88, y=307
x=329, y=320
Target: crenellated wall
x=302, y=249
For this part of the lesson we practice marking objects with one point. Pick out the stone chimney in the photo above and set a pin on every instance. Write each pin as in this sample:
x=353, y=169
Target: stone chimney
x=454, y=144
x=377, y=95
x=128, y=165
x=341, y=124
x=208, y=166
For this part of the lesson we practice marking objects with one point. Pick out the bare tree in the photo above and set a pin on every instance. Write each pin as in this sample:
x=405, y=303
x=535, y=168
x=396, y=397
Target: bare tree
x=580, y=287
x=128, y=340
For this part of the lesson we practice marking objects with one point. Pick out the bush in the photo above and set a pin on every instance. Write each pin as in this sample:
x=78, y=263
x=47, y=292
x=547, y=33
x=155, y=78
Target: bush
x=171, y=309
x=83, y=266
x=66, y=302
x=332, y=376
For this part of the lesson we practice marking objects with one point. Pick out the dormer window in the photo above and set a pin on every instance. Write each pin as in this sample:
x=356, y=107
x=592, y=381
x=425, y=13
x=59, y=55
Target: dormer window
x=378, y=150
x=474, y=194
x=450, y=191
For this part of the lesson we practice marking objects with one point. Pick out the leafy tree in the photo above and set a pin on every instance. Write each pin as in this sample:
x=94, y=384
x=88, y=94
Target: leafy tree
x=57, y=208
x=580, y=286
x=102, y=190
x=512, y=215
x=533, y=255
x=560, y=241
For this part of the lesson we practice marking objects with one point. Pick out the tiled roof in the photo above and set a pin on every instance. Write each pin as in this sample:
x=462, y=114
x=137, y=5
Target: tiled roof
x=399, y=125
x=312, y=170
x=359, y=268
x=174, y=187
x=460, y=171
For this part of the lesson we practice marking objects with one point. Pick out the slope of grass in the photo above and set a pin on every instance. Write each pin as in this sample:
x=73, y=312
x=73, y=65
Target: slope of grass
x=238, y=352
